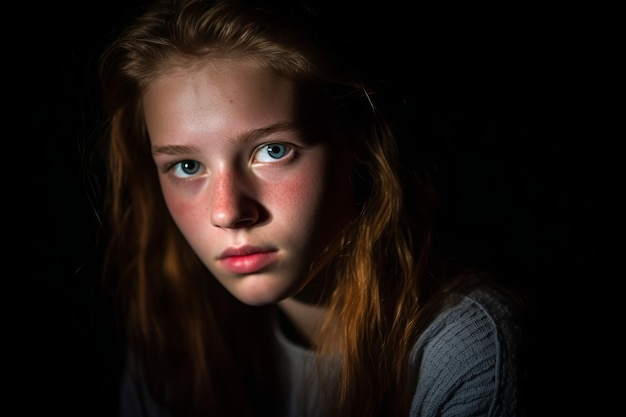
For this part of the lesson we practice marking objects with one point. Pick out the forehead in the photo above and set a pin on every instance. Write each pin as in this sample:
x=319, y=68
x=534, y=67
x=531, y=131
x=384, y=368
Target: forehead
x=228, y=97
x=213, y=94
x=231, y=79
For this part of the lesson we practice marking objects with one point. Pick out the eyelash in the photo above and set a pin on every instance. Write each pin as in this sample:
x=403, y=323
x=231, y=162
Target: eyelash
x=271, y=147
x=288, y=154
x=177, y=166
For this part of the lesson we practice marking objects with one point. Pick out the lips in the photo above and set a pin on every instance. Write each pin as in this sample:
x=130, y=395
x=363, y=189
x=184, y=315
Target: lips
x=247, y=260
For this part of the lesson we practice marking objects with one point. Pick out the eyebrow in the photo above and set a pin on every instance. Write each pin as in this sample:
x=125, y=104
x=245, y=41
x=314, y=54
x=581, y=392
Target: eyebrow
x=255, y=134
x=173, y=149
x=248, y=136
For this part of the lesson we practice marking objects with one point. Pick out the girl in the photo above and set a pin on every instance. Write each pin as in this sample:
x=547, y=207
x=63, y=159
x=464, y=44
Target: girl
x=268, y=253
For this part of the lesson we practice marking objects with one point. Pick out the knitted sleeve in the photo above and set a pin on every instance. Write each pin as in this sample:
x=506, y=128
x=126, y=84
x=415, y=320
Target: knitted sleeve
x=134, y=398
x=466, y=361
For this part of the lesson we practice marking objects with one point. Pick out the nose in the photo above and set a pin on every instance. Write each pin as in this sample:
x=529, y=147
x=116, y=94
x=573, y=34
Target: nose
x=232, y=206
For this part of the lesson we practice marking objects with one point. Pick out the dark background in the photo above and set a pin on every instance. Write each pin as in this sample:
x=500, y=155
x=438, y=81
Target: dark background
x=494, y=93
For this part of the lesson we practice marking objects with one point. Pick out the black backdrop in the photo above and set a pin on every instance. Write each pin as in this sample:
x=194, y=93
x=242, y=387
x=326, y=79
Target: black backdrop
x=489, y=89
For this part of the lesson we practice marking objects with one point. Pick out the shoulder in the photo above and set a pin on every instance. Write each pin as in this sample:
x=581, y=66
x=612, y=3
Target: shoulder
x=135, y=399
x=466, y=361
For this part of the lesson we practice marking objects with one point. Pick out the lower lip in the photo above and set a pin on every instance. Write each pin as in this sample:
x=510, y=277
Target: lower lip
x=248, y=264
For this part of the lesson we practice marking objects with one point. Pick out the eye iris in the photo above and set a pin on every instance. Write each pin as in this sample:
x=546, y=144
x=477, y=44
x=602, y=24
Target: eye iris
x=189, y=167
x=275, y=151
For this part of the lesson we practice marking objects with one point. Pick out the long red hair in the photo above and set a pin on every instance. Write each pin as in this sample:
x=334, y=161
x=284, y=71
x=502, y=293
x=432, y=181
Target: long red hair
x=201, y=350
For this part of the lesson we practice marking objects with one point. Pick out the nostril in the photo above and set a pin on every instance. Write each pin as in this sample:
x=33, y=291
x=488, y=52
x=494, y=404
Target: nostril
x=244, y=222
x=232, y=201
x=238, y=213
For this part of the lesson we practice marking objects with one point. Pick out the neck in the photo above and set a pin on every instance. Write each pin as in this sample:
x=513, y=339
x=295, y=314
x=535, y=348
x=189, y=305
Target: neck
x=307, y=319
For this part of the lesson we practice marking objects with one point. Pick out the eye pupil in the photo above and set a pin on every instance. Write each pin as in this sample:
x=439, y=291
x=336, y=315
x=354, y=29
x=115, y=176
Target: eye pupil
x=275, y=150
x=190, y=167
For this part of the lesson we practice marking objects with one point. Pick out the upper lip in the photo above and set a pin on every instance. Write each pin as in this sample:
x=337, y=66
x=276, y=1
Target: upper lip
x=243, y=251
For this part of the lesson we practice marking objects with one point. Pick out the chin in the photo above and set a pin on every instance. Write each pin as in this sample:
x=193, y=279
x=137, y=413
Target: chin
x=259, y=291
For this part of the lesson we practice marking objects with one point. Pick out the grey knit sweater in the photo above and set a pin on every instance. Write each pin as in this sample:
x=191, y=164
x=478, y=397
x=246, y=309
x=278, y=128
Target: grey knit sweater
x=465, y=365
x=467, y=361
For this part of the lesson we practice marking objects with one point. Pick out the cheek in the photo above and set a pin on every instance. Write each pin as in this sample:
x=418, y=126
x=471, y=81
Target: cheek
x=297, y=197
x=187, y=213
x=318, y=202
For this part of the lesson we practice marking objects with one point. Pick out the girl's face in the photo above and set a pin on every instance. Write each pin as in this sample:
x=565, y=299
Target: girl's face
x=255, y=193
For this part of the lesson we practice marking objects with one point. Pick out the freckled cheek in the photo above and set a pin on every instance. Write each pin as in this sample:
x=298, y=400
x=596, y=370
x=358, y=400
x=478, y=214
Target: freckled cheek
x=186, y=212
x=295, y=198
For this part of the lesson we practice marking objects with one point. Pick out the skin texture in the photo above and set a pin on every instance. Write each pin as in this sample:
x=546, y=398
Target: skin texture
x=256, y=215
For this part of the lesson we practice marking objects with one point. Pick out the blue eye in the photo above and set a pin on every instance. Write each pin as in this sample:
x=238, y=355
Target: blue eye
x=186, y=168
x=272, y=152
